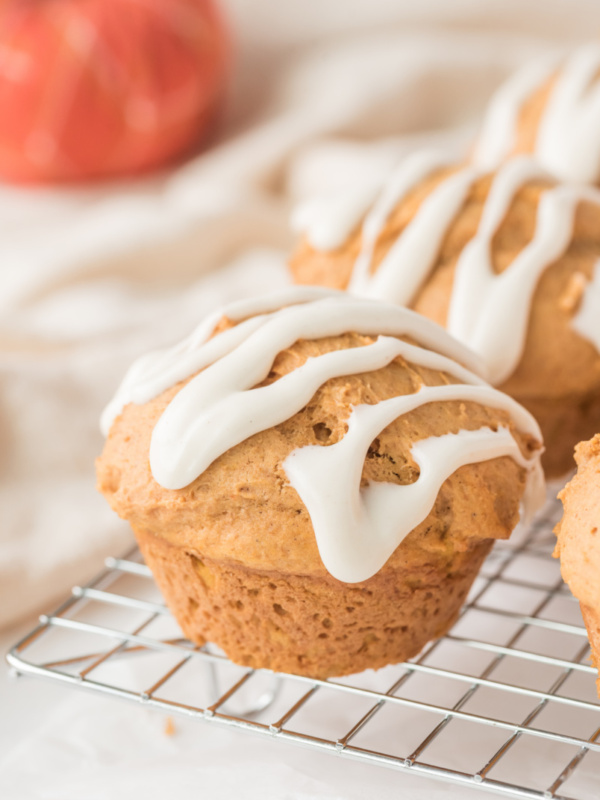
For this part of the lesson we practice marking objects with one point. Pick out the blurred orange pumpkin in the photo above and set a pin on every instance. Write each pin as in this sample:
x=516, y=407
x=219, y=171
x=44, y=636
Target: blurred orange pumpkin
x=99, y=88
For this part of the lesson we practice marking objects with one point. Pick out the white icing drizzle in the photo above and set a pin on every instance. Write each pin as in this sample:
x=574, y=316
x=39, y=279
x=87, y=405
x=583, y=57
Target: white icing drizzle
x=219, y=408
x=568, y=136
x=228, y=411
x=568, y=139
x=409, y=260
x=411, y=171
x=481, y=300
x=497, y=139
x=356, y=529
x=587, y=320
x=155, y=372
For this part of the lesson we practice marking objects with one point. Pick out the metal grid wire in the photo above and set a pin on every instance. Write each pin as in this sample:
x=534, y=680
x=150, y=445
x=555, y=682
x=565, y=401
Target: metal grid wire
x=505, y=701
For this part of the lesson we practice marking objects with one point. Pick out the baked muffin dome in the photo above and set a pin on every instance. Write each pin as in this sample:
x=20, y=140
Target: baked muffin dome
x=578, y=539
x=551, y=110
x=314, y=479
x=506, y=261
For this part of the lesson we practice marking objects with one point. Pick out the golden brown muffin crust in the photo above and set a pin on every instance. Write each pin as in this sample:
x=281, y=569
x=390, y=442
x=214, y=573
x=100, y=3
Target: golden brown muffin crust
x=311, y=625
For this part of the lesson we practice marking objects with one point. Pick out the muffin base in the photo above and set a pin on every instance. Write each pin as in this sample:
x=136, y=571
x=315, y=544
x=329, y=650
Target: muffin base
x=564, y=422
x=310, y=625
x=591, y=618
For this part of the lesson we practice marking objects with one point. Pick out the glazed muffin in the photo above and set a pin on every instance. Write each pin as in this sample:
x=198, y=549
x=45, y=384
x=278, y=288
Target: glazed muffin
x=315, y=479
x=551, y=110
x=506, y=261
x=578, y=539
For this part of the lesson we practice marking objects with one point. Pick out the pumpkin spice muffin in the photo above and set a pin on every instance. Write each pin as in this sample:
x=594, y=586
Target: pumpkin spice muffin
x=315, y=480
x=506, y=261
x=578, y=539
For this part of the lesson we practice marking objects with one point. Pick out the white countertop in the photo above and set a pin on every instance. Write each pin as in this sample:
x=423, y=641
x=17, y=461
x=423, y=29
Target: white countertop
x=58, y=743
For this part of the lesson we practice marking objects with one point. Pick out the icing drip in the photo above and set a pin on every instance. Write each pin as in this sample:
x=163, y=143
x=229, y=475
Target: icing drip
x=408, y=262
x=568, y=139
x=218, y=409
x=587, y=320
x=155, y=372
x=357, y=530
x=498, y=136
x=483, y=300
x=406, y=177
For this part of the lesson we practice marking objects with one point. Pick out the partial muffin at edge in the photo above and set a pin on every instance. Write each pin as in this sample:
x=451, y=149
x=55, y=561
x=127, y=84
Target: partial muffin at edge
x=578, y=539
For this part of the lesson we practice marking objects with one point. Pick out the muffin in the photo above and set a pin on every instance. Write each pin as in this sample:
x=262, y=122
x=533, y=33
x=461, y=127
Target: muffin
x=578, y=539
x=550, y=109
x=506, y=261
x=315, y=479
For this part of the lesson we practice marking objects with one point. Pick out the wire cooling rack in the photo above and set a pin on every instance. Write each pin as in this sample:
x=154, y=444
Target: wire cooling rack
x=505, y=701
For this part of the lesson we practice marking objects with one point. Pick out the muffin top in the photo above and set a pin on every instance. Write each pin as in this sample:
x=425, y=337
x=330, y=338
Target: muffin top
x=551, y=109
x=506, y=261
x=578, y=533
x=312, y=431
